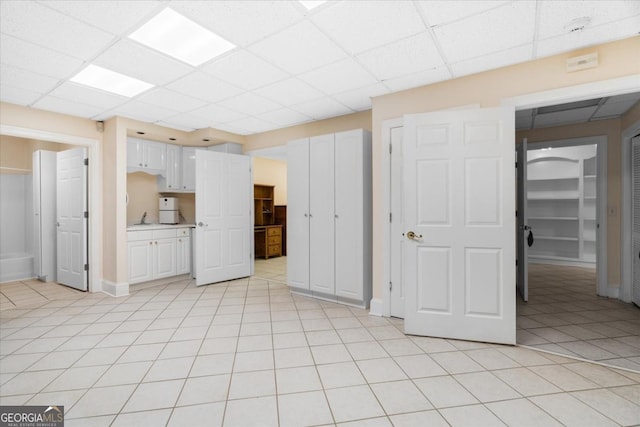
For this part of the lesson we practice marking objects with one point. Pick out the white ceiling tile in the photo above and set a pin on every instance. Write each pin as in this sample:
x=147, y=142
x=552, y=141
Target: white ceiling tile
x=20, y=96
x=554, y=16
x=299, y=48
x=245, y=70
x=493, y=60
x=250, y=104
x=523, y=124
x=524, y=113
x=188, y=121
x=19, y=78
x=290, y=91
x=360, y=99
x=420, y=78
x=37, y=59
x=216, y=114
x=203, y=86
x=77, y=93
x=132, y=59
x=438, y=12
x=339, y=77
x=252, y=124
x=241, y=22
x=492, y=31
x=635, y=97
x=116, y=17
x=614, y=109
x=170, y=99
x=51, y=103
x=588, y=37
x=141, y=111
x=38, y=24
x=322, y=108
x=564, y=117
x=401, y=58
x=285, y=117
x=175, y=126
x=232, y=129
x=361, y=25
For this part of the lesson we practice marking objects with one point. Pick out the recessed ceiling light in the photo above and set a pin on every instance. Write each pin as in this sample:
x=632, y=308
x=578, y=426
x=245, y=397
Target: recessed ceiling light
x=181, y=38
x=312, y=4
x=110, y=81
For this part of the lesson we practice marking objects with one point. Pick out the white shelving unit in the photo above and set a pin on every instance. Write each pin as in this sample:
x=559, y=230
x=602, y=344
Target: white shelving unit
x=561, y=204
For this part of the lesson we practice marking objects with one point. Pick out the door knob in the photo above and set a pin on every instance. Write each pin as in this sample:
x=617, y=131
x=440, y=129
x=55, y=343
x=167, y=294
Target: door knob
x=57, y=224
x=413, y=236
x=201, y=224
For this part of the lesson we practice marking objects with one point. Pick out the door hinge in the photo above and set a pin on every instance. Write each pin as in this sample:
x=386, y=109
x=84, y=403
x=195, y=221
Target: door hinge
x=390, y=148
x=516, y=165
x=390, y=216
x=86, y=214
x=86, y=267
x=86, y=162
x=516, y=214
x=390, y=286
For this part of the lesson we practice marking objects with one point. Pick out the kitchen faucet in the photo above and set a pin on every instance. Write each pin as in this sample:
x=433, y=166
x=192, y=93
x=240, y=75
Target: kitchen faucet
x=144, y=215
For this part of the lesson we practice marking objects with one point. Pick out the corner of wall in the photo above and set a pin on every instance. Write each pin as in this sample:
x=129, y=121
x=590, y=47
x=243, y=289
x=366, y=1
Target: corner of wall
x=115, y=289
x=375, y=307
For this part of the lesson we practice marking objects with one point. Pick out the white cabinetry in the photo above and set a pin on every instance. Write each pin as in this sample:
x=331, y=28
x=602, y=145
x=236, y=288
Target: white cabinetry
x=189, y=168
x=561, y=204
x=146, y=156
x=172, y=178
x=329, y=216
x=159, y=253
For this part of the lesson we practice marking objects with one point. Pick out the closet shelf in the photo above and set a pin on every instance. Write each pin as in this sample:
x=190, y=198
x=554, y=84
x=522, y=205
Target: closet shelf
x=553, y=179
x=566, y=239
x=553, y=198
x=553, y=218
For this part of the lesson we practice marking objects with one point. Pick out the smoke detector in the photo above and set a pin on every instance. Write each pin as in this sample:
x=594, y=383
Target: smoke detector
x=577, y=24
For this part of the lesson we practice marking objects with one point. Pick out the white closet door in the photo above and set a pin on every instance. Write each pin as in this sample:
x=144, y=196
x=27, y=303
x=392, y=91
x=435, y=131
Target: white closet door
x=523, y=228
x=635, y=147
x=298, y=213
x=321, y=214
x=349, y=214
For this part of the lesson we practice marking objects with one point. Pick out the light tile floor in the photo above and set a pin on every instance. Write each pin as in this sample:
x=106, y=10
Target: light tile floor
x=274, y=269
x=564, y=315
x=247, y=352
x=29, y=292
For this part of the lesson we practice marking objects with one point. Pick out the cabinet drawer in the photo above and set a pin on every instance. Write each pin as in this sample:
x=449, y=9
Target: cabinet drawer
x=164, y=234
x=273, y=231
x=273, y=250
x=274, y=240
x=181, y=232
x=135, y=236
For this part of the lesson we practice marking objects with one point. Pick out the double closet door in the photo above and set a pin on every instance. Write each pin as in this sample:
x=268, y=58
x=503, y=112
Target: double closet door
x=329, y=216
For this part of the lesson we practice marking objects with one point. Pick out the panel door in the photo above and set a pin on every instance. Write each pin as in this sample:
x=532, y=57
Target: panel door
x=183, y=256
x=155, y=155
x=298, y=213
x=188, y=168
x=140, y=256
x=523, y=229
x=223, y=216
x=349, y=214
x=635, y=188
x=164, y=258
x=321, y=214
x=71, y=204
x=460, y=224
x=397, y=227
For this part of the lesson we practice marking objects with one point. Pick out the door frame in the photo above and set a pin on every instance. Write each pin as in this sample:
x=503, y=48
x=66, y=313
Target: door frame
x=94, y=188
x=610, y=87
x=626, y=242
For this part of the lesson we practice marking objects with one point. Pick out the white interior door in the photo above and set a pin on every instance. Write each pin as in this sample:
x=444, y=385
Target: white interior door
x=298, y=214
x=460, y=223
x=71, y=205
x=223, y=217
x=397, y=227
x=523, y=229
x=635, y=188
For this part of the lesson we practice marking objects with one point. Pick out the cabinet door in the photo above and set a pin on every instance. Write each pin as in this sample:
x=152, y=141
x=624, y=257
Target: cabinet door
x=140, y=256
x=183, y=254
x=164, y=258
x=134, y=153
x=321, y=214
x=298, y=213
x=155, y=155
x=349, y=238
x=189, y=168
x=172, y=177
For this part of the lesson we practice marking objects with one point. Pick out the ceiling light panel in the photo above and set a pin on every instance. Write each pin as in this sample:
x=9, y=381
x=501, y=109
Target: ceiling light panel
x=407, y=56
x=179, y=37
x=47, y=27
x=37, y=59
x=493, y=60
x=438, y=12
x=322, y=108
x=205, y=87
x=285, y=117
x=116, y=17
x=298, y=49
x=133, y=59
x=498, y=29
x=241, y=22
x=86, y=95
x=361, y=25
x=57, y=105
x=250, y=104
x=339, y=77
x=360, y=99
x=245, y=70
x=555, y=15
x=420, y=78
x=23, y=79
x=110, y=81
x=290, y=91
x=171, y=100
x=18, y=96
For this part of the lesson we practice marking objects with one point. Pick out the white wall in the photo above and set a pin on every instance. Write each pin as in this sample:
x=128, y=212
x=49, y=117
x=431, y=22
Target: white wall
x=16, y=212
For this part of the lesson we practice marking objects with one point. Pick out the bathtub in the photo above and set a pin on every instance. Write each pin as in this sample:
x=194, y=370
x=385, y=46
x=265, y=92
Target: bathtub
x=15, y=266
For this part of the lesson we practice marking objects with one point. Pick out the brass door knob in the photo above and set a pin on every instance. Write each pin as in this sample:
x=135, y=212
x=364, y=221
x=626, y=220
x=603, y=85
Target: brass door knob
x=413, y=236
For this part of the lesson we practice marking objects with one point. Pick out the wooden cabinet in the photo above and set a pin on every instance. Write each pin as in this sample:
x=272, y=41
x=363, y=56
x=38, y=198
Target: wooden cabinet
x=263, y=204
x=268, y=241
x=146, y=156
x=329, y=216
x=281, y=219
x=159, y=253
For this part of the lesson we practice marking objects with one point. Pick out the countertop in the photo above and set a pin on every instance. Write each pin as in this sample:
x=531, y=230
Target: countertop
x=158, y=226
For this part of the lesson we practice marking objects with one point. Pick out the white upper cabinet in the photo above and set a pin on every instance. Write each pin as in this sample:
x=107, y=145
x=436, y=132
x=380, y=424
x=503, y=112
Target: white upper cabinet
x=146, y=156
x=172, y=179
x=189, y=169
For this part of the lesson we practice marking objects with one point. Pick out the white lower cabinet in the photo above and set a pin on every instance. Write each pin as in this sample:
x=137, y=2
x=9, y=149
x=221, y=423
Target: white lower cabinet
x=157, y=254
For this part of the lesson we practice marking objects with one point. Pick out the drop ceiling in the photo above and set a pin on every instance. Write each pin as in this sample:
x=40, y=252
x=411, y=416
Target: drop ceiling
x=290, y=65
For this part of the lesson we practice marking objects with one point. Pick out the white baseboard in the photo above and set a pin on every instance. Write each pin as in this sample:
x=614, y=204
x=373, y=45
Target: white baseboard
x=375, y=307
x=613, y=291
x=115, y=289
